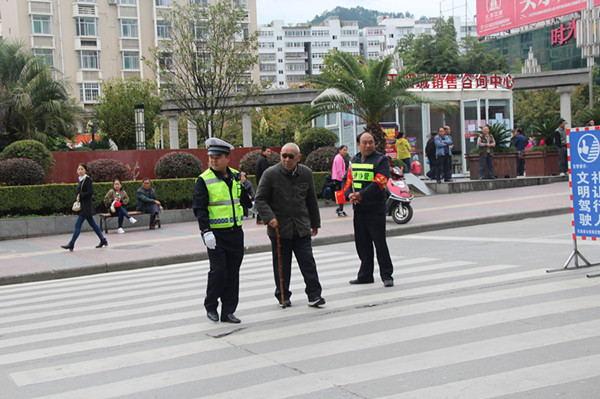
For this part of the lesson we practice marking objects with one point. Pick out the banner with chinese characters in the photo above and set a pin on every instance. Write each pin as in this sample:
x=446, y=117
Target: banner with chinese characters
x=495, y=16
x=466, y=81
x=584, y=153
x=390, y=130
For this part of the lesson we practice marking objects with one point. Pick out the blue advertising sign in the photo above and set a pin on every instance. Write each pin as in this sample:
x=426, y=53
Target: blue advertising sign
x=584, y=151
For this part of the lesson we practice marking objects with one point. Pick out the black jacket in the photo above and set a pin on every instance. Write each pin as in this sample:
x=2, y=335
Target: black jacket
x=290, y=197
x=373, y=197
x=200, y=198
x=261, y=165
x=85, y=190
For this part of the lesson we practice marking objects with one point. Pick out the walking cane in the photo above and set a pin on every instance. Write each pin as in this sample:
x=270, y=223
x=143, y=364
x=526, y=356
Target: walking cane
x=280, y=268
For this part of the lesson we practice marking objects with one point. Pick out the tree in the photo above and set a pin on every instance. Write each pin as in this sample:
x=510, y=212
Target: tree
x=362, y=88
x=115, y=111
x=476, y=58
x=206, y=62
x=534, y=107
x=275, y=126
x=33, y=105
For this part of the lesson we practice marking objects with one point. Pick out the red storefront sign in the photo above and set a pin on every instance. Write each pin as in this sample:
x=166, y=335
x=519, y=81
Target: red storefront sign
x=466, y=81
x=563, y=34
x=495, y=16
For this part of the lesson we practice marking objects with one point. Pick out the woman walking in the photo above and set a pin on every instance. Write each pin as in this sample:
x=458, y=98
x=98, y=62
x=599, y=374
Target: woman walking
x=338, y=172
x=85, y=194
x=116, y=200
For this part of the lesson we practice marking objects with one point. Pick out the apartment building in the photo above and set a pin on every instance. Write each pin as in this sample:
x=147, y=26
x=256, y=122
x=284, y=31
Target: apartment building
x=288, y=54
x=90, y=41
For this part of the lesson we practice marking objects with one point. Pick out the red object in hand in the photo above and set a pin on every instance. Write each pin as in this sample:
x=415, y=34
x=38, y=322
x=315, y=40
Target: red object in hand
x=117, y=204
x=340, y=198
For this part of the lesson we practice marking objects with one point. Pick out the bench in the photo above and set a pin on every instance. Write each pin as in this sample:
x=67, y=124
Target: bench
x=105, y=216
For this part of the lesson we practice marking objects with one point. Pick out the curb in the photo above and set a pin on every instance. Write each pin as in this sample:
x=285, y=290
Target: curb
x=194, y=257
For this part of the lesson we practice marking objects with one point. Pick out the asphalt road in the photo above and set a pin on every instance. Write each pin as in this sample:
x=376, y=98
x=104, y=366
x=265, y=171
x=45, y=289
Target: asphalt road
x=473, y=315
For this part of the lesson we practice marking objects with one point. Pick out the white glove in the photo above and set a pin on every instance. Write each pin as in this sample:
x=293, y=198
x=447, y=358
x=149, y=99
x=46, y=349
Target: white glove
x=209, y=240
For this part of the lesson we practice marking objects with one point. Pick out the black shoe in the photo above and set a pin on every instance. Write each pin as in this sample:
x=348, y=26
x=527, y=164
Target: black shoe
x=316, y=302
x=388, y=283
x=103, y=243
x=230, y=318
x=69, y=247
x=286, y=304
x=438, y=181
x=357, y=281
x=212, y=315
x=344, y=213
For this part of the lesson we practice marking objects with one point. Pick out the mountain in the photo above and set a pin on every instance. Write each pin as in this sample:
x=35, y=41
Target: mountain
x=362, y=15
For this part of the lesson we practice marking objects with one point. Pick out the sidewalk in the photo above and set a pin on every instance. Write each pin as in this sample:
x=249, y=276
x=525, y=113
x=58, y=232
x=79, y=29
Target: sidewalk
x=41, y=258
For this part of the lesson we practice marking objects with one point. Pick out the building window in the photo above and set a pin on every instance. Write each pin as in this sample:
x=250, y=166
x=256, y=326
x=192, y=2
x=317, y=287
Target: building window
x=88, y=59
x=129, y=28
x=162, y=3
x=131, y=60
x=46, y=55
x=163, y=29
x=127, y=2
x=202, y=3
x=89, y=92
x=85, y=26
x=40, y=25
x=266, y=45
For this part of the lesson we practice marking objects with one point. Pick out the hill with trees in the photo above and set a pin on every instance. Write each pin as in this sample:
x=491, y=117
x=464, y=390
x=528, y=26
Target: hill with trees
x=364, y=16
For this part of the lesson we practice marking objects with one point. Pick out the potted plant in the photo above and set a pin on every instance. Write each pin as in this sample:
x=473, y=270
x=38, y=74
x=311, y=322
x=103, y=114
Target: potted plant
x=542, y=160
x=504, y=159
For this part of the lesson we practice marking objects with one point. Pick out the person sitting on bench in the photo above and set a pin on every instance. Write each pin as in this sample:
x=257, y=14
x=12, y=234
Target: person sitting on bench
x=147, y=202
x=116, y=200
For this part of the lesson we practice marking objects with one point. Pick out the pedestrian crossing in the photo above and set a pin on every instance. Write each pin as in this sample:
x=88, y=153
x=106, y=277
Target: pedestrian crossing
x=448, y=329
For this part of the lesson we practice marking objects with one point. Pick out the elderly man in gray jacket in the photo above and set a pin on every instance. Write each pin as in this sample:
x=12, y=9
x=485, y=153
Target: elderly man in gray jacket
x=286, y=200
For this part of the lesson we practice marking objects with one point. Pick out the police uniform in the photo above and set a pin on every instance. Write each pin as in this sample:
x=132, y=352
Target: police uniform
x=218, y=205
x=369, y=177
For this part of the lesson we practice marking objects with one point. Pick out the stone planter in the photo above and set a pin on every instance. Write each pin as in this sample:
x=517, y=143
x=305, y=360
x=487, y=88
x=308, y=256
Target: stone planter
x=541, y=163
x=504, y=163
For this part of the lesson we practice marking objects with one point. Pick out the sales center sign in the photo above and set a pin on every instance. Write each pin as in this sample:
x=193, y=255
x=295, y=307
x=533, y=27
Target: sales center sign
x=584, y=152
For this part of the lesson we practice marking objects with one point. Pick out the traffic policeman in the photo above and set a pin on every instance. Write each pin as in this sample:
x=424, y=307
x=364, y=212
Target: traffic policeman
x=365, y=188
x=218, y=205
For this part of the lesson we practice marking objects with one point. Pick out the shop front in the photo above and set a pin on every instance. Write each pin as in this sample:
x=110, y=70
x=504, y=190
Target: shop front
x=463, y=102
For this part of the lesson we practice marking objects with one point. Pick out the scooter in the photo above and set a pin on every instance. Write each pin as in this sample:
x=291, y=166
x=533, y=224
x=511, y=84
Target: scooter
x=399, y=197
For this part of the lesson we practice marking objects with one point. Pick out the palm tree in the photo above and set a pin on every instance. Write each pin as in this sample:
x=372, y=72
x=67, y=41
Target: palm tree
x=33, y=105
x=364, y=89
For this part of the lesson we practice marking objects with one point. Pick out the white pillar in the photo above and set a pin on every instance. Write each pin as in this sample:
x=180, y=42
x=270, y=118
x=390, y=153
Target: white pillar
x=247, y=129
x=192, y=132
x=425, y=129
x=565, y=102
x=173, y=133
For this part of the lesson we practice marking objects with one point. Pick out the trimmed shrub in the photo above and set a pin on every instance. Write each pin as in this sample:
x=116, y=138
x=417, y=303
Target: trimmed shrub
x=53, y=199
x=248, y=161
x=107, y=170
x=21, y=172
x=321, y=159
x=177, y=165
x=31, y=149
x=315, y=137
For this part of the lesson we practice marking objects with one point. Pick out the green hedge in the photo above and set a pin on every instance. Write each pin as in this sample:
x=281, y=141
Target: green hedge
x=52, y=199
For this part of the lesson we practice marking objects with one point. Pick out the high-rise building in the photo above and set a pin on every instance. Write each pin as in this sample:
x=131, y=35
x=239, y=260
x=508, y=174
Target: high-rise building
x=288, y=54
x=90, y=41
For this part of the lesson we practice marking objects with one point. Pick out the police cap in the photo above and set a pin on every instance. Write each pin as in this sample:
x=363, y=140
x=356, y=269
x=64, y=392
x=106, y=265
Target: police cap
x=217, y=146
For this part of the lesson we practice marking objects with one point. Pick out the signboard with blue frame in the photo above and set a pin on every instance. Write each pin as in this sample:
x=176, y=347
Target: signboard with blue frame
x=584, y=151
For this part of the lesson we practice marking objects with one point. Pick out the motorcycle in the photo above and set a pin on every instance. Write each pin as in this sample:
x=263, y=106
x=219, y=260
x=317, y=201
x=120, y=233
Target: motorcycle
x=399, y=197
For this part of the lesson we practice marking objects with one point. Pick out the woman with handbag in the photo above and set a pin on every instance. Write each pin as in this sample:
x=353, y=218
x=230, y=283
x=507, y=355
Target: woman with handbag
x=83, y=205
x=116, y=200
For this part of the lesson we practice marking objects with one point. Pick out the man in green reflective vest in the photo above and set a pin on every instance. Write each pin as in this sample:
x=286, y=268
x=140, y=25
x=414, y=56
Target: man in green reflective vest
x=218, y=205
x=365, y=187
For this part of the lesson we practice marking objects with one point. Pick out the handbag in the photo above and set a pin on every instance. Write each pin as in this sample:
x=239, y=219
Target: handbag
x=76, y=205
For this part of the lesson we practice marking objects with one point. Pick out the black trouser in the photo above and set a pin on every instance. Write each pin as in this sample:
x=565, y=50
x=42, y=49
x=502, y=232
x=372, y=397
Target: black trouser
x=224, y=274
x=302, y=249
x=432, y=167
x=443, y=169
x=369, y=229
x=486, y=167
x=520, y=163
x=563, y=164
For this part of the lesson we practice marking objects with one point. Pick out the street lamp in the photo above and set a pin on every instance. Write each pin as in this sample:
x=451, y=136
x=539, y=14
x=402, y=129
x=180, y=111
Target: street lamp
x=140, y=128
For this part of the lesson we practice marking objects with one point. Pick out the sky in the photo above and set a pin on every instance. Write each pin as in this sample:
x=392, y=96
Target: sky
x=293, y=11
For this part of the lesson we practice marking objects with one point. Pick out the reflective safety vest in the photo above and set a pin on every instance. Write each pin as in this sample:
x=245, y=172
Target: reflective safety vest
x=224, y=208
x=362, y=174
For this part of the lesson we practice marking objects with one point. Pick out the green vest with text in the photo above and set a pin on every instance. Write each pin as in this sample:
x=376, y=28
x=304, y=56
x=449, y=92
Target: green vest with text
x=224, y=208
x=362, y=175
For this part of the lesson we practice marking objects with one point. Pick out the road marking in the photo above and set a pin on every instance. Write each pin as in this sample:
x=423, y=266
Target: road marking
x=429, y=237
